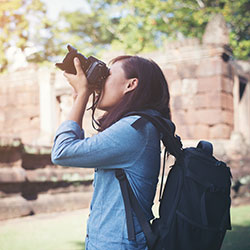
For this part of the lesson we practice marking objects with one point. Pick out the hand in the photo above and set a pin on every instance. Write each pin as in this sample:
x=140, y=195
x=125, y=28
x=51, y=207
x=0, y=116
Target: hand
x=79, y=81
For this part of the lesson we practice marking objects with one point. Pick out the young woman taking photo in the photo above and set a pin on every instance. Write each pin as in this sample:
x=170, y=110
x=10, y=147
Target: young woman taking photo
x=134, y=84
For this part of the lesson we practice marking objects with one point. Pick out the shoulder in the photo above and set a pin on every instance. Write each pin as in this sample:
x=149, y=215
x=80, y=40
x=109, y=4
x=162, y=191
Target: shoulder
x=129, y=120
x=124, y=125
x=135, y=125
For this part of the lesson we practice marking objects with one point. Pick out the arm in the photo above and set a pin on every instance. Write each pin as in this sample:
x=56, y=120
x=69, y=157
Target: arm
x=115, y=147
x=78, y=108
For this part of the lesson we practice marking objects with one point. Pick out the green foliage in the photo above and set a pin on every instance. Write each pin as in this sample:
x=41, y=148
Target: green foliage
x=12, y=26
x=142, y=25
x=21, y=25
x=132, y=26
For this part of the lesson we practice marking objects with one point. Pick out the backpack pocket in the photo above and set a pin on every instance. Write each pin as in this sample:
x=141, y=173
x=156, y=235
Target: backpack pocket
x=186, y=234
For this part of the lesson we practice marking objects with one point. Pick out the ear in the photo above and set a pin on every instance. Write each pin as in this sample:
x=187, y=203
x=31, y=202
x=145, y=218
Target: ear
x=131, y=85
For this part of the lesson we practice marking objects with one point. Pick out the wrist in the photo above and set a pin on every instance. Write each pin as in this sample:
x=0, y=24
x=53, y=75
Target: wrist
x=83, y=94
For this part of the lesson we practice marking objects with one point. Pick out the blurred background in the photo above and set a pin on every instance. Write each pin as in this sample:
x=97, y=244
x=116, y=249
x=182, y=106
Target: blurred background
x=203, y=48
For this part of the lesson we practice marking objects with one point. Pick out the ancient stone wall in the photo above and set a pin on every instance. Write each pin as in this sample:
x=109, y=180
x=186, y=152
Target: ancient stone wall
x=209, y=100
x=20, y=104
x=201, y=94
x=29, y=184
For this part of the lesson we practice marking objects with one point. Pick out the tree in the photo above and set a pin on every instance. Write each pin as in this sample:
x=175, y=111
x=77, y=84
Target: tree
x=21, y=26
x=132, y=25
x=142, y=25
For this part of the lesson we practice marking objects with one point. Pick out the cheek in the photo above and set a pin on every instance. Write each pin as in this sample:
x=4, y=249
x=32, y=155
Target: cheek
x=111, y=95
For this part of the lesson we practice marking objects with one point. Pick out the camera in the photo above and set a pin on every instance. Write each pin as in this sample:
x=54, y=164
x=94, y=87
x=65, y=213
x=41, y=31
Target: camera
x=95, y=70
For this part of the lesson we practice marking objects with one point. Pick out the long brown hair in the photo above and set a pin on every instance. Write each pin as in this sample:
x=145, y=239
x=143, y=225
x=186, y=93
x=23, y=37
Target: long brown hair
x=151, y=93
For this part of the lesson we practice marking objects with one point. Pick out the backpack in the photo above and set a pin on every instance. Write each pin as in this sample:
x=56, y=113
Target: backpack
x=194, y=211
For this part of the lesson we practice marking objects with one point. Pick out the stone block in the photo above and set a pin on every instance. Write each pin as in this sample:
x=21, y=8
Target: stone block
x=22, y=127
x=176, y=103
x=12, y=175
x=227, y=84
x=29, y=136
x=189, y=86
x=34, y=161
x=193, y=131
x=212, y=67
x=3, y=87
x=28, y=88
x=13, y=114
x=215, y=83
x=47, y=203
x=220, y=131
x=179, y=116
x=35, y=123
x=227, y=101
x=185, y=132
x=184, y=102
x=227, y=117
x=10, y=156
x=214, y=100
x=190, y=117
x=11, y=97
x=170, y=74
x=3, y=101
x=186, y=70
x=201, y=132
x=14, y=207
x=175, y=88
x=30, y=110
x=59, y=175
x=215, y=116
x=1, y=126
x=2, y=117
x=200, y=101
x=209, y=116
x=23, y=98
x=210, y=84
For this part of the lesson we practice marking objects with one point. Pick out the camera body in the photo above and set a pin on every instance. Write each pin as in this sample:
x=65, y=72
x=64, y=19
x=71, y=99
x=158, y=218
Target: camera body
x=95, y=70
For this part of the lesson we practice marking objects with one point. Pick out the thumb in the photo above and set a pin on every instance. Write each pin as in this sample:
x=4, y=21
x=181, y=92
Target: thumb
x=78, y=67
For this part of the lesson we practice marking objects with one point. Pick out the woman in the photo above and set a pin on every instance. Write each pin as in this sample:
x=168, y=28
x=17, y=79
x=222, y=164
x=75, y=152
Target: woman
x=134, y=83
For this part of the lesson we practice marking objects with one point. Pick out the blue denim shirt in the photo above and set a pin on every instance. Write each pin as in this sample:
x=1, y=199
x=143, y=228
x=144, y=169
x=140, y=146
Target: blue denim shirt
x=119, y=146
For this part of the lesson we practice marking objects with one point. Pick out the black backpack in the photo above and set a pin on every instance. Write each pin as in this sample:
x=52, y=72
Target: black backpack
x=195, y=205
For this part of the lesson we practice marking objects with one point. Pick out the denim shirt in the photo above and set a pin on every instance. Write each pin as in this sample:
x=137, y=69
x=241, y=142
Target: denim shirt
x=137, y=151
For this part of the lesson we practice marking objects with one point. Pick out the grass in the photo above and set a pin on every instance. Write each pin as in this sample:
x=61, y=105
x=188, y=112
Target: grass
x=66, y=231
x=239, y=237
x=61, y=231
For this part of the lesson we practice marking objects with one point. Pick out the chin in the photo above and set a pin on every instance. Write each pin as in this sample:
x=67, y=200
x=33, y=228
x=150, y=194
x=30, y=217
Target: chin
x=101, y=107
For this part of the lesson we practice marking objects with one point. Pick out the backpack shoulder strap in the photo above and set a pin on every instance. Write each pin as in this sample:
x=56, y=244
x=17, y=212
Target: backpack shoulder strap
x=165, y=126
x=131, y=201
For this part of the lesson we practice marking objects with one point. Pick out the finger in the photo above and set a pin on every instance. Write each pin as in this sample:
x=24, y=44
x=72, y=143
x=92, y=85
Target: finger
x=78, y=66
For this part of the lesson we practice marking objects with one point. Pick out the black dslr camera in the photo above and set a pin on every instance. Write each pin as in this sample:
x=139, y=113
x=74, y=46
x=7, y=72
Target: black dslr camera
x=95, y=70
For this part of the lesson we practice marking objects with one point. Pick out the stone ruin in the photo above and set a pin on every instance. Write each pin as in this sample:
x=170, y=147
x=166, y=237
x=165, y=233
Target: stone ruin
x=210, y=100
